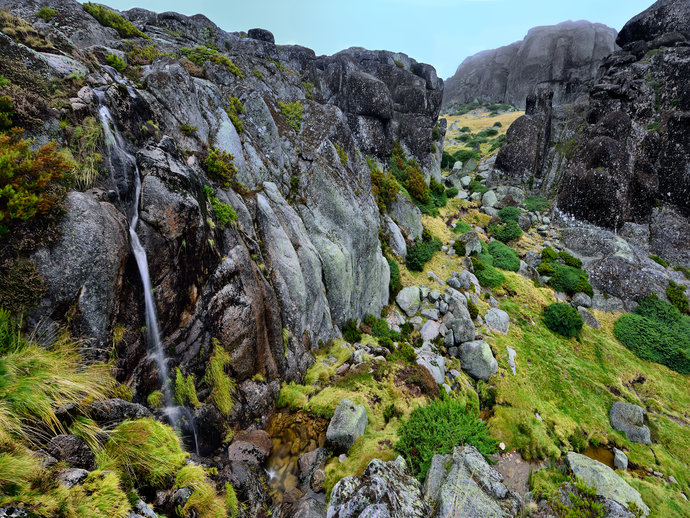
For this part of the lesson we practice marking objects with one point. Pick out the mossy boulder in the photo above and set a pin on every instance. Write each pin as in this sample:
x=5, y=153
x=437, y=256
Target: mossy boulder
x=478, y=360
x=347, y=424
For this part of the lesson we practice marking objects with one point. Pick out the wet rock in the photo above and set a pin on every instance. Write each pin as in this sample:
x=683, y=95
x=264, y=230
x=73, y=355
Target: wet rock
x=630, y=419
x=114, y=411
x=620, y=459
x=346, y=425
x=243, y=451
x=258, y=438
x=311, y=462
x=604, y=480
x=497, y=320
x=210, y=424
x=72, y=450
x=13, y=512
x=478, y=360
x=384, y=489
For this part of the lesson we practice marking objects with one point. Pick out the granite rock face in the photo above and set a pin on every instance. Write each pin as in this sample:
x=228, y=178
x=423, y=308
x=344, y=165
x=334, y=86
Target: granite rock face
x=564, y=56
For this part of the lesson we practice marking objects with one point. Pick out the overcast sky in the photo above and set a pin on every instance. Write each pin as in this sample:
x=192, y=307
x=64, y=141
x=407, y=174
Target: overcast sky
x=440, y=32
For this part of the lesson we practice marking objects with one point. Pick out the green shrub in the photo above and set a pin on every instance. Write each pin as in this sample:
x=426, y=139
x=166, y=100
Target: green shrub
x=563, y=319
x=220, y=166
x=497, y=143
x=233, y=109
x=447, y=160
x=293, y=113
x=536, y=204
x=569, y=259
x=659, y=260
x=116, y=62
x=504, y=256
x=142, y=55
x=225, y=214
x=188, y=130
x=351, y=332
x=476, y=186
x=486, y=274
x=507, y=214
x=498, y=124
x=451, y=192
x=546, y=269
x=570, y=280
x=394, y=285
x=473, y=309
x=489, y=132
x=109, y=18
x=682, y=269
x=421, y=253
x=436, y=429
x=549, y=254
x=461, y=227
x=30, y=181
x=676, y=294
x=46, y=13
x=384, y=187
x=463, y=155
x=144, y=450
x=508, y=232
x=657, y=332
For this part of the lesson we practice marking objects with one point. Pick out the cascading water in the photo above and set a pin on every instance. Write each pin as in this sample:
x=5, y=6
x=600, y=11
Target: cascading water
x=123, y=165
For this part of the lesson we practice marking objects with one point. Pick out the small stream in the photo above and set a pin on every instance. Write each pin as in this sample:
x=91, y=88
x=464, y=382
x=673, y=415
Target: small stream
x=293, y=435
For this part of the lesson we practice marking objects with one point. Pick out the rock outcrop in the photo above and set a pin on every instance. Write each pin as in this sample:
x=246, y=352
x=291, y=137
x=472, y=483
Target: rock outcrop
x=565, y=57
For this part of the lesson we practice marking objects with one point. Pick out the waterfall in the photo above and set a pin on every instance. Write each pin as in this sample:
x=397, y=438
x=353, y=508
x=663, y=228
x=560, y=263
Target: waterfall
x=125, y=171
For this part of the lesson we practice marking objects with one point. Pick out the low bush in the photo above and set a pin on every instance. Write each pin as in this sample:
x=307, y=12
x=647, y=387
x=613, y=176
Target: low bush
x=507, y=214
x=676, y=295
x=570, y=280
x=234, y=109
x=498, y=124
x=220, y=166
x=384, y=187
x=394, y=285
x=188, y=130
x=436, y=429
x=452, y=192
x=459, y=247
x=549, y=254
x=109, y=18
x=463, y=155
x=489, y=132
x=486, y=274
x=421, y=253
x=546, y=269
x=46, y=13
x=536, y=204
x=116, y=62
x=570, y=259
x=476, y=186
x=563, y=319
x=461, y=227
x=351, y=332
x=658, y=332
x=504, y=257
x=293, y=113
x=508, y=232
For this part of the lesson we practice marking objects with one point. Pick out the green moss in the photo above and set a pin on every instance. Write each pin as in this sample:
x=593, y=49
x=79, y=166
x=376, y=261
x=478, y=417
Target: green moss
x=536, y=204
x=224, y=213
x=508, y=232
x=188, y=130
x=563, y=319
x=461, y=227
x=342, y=155
x=570, y=280
x=509, y=214
x=682, y=269
x=293, y=113
x=222, y=386
x=308, y=89
x=143, y=450
x=569, y=259
x=259, y=75
x=234, y=109
x=220, y=166
x=549, y=254
x=155, y=399
x=185, y=392
x=436, y=429
x=109, y=18
x=676, y=295
x=659, y=260
x=200, y=54
x=293, y=396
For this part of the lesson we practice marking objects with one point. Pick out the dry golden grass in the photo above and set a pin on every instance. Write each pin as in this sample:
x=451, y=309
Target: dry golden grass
x=477, y=120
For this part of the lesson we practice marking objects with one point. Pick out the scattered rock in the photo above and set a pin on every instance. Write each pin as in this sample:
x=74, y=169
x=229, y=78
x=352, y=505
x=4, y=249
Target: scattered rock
x=434, y=363
x=385, y=489
x=72, y=476
x=478, y=360
x=581, y=299
x=604, y=480
x=347, y=424
x=630, y=419
x=114, y=411
x=588, y=318
x=409, y=300
x=620, y=459
x=72, y=450
x=512, y=353
x=430, y=330
x=497, y=320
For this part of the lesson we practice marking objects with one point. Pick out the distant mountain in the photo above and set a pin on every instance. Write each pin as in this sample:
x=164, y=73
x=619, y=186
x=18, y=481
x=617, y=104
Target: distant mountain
x=564, y=56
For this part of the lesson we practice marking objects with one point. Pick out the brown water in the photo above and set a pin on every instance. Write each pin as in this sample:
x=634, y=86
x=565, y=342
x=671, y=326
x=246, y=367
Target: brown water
x=600, y=453
x=292, y=435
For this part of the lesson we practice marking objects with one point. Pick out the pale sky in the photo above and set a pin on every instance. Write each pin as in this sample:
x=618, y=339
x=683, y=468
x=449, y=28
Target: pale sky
x=439, y=32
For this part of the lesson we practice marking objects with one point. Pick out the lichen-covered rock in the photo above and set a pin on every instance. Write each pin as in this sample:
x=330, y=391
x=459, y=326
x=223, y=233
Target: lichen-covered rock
x=497, y=320
x=629, y=419
x=463, y=484
x=477, y=359
x=407, y=216
x=620, y=459
x=604, y=480
x=409, y=300
x=347, y=424
x=433, y=362
x=385, y=489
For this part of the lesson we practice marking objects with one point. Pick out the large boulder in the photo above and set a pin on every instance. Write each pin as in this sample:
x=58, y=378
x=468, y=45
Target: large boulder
x=464, y=484
x=663, y=17
x=629, y=419
x=385, y=489
x=497, y=320
x=478, y=360
x=433, y=362
x=604, y=480
x=347, y=424
x=407, y=216
x=114, y=411
x=409, y=300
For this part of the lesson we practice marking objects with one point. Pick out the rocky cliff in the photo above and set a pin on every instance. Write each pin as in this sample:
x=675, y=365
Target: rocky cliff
x=564, y=57
x=197, y=121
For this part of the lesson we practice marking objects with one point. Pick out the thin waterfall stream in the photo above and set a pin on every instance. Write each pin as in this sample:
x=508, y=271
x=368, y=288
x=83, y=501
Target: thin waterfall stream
x=122, y=162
